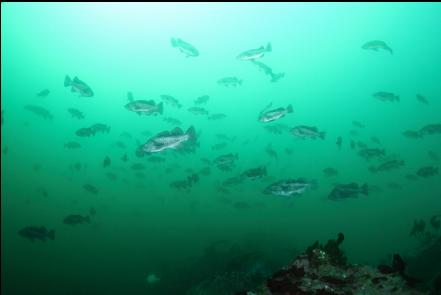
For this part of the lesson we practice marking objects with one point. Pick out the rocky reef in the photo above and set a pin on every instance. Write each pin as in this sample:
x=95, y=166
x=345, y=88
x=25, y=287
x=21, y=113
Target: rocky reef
x=324, y=270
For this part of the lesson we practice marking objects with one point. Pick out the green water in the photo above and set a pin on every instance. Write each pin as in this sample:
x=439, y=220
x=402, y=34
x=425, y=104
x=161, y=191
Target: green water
x=143, y=225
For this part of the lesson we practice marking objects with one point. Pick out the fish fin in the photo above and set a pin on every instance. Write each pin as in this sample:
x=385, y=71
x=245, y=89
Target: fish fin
x=289, y=108
x=177, y=131
x=268, y=48
x=322, y=135
x=163, y=133
x=130, y=96
x=364, y=189
x=67, y=81
x=160, y=108
x=51, y=234
x=75, y=79
x=390, y=50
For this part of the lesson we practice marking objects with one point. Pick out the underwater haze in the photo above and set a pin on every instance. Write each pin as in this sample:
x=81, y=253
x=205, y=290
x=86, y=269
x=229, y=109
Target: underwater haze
x=165, y=148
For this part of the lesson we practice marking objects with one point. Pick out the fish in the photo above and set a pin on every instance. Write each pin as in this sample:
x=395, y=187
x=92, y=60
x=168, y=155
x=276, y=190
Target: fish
x=369, y=153
x=124, y=158
x=181, y=185
x=271, y=152
x=339, y=142
x=290, y=187
x=120, y=144
x=376, y=45
x=106, y=162
x=172, y=121
x=111, y=176
x=72, y=145
x=303, y=131
x=329, y=172
x=235, y=180
x=99, y=127
x=205, y=171
x=168, y=99
x=254, y=173
x=201, y=99
x=75, y=219
x=175, y=139
x=418, y=228
x=145, y=107
x=358, y=124
x=218, y=116
x=193, y=178
x=39, y=111
x=241, y=205
x=198, y=111
x=75, y=113
x=229, y=81
x=275, y=114
x=387, y=166
x=345, y=191
x=138, y=166
x=353, y=145
x=268, y=71
x=412, y=134
x=226, y=160
x=33, y=233
x=435, y=221
x=90, y=188
x=43, y=93
x=85, y=132
x=152, y=279
x=156, y=159
x=255, y=53
x=219, y=146
x=375, y=139
x=427, y=171
x=184, y=47
x=386, y=96
x=431, y=129
x=276, y=128
x=394, y=185
x=78, y=86
x=422, y=99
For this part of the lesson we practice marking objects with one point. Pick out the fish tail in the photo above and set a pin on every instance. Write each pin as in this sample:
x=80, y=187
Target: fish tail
x=268, y=47
x=364, y=189
x=51, y=234
x=322, y=135
x=264, y=171
x=160, y=107
x=390, y=50
x=289, y=109
x=397, y=98
x=67, y=81
x=191, y=133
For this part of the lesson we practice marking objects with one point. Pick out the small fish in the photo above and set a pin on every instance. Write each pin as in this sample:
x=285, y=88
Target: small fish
x=218, y=116
x=146, y=107
x=172, y=121
x=85, y=132
x=34, y=232
x=43, y=93
x=72, y=145
x=339, y=142
x=171, y=101
x=271, y=152
x=241, y=205
x=422, y=99
x=229, y=81
x=303, y=131
x=174, y=139
x=377, y=44
x=256, y=53
x=138, y=166
x=205, y=171
x=184, y=47
x=418, y=228
x=193, y=178
x=345, y=191
x=369, y=153
x=277, y=128
x=353, y=145
x=75, y=219
x=254, y=173
x=358, y=124
x=236, y=180
x=198, y=111
x=156, y=159
x=78, y=86
x=180, y=185
x=106, y=162
x=386, y=96
x=394, y=185
x=75, y=113
x=375, y=139
x=387, y=166
x=290, y=187
x=202, y=99
x=112, y=176
x=91, y=189
x=268, y=71
x=39, y=111
x=226, y=162
x=435, y=221
x=412, y=134
x=120, y=144
x=427, y=171
x=125, y=158
x=431, y=129
x=275, y=114
x=329, y=172
x=99, y=127
x=219, y=146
